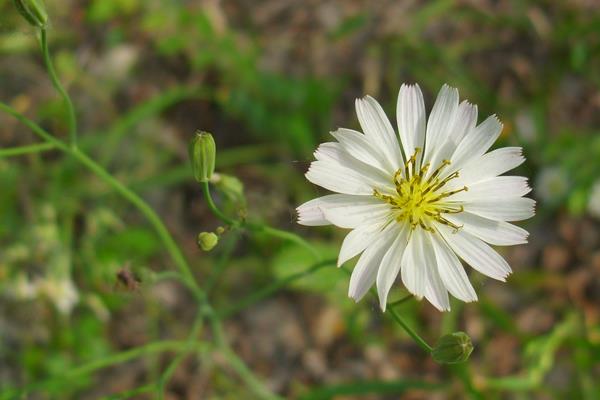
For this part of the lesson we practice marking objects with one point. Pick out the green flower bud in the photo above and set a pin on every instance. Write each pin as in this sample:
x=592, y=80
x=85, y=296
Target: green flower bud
x=220, y=230
x=231, y=187
x=202, y=155
x=207, y=240
x=33, y=11
x=452, y=348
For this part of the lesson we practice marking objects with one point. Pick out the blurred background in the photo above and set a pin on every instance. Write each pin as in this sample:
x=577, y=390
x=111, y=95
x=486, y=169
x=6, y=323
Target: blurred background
x=270, y=79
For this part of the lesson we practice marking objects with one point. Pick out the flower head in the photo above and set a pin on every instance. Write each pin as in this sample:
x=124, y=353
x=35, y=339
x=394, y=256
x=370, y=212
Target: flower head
x=417, y=204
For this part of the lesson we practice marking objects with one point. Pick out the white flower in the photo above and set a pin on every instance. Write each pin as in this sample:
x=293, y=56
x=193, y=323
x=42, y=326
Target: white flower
x=417, y=205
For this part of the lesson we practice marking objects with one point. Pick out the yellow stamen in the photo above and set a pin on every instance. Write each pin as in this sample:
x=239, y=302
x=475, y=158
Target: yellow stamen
x=419, y=201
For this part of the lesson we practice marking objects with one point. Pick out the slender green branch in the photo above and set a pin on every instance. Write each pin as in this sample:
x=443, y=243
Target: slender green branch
x=166, y=376
x=115, y=359
x=170, y=244
x=414, y=335
x=22, y=150
x=285, y=235
x=272, y=288
x=256, y=227
x=420, y=341
x=214, y=209
x=59, y=88
x=399, y=301
x=238, y=365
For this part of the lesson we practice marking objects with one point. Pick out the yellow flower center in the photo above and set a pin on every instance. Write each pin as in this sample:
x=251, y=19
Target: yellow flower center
x=421, y=201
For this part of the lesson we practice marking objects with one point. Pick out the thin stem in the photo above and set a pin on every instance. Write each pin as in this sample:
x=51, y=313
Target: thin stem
x=420, y=341
x=213, y=207
x=29, y=149
x=285, y=235
x=166, y=376
x=114, y=359
x=270, y=289
x=399, y=301
x=72, y=120
x=238, y=365
x=255, y=227
x=174, y=251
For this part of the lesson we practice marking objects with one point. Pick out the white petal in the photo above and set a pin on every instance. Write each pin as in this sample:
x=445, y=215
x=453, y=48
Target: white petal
x=365, y=271
x=413, y=271
x=435, y=290
x=464, y=122
x=452, y=272
x=476, y=253
x=358, y=146
x=510, y=209
x=338, y=179
x=357, y=240
x=377, y=128
x=311, y=212
x=498, y=233
x=390, y=266
x=351, y=216
x=440, y=120
x=494, y=188
x=333, y=153
x=410, y=113
x=492, y=164
x=476, y=142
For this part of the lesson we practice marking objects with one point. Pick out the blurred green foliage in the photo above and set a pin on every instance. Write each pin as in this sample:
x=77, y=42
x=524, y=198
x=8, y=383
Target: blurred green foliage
x=526, y=62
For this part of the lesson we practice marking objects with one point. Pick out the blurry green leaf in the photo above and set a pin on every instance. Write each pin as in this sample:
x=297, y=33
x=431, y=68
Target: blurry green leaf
x=138, y=243
x=294, y=259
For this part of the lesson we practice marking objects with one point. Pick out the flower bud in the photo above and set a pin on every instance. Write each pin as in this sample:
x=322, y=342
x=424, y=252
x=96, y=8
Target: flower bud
x=33, y=11
x=452, y=348
x=231, y=187
x=202, y=155
x=207, y=240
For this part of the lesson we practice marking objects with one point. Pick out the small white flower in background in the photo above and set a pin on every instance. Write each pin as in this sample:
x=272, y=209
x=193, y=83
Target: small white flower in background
x=61, y=291
x=594, y=201
x=416, y=205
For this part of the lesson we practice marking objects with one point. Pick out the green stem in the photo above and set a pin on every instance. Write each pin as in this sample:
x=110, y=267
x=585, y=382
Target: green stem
x=214, y=209
x=399, y=301
x=270, y=289
x=114, y=359
x=420, y=341
x=238, y=365
x=255, y=227
x=174, y=251
x=30, y=149
x=166, y=376
x=72, y=120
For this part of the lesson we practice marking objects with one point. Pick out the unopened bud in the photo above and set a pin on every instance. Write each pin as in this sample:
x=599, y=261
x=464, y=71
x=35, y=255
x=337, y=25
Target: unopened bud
x=207, y=240
x=220, y=230
x=202, y=155
x=452, y=348
x=230, y=186
x=33, y=11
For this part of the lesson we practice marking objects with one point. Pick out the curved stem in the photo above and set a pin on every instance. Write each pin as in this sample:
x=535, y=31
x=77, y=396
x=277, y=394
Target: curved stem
x=400, y=301
x=420, y=341
x=214, y=209
x=274, y=232
x=59, y=88
x=173, y=249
